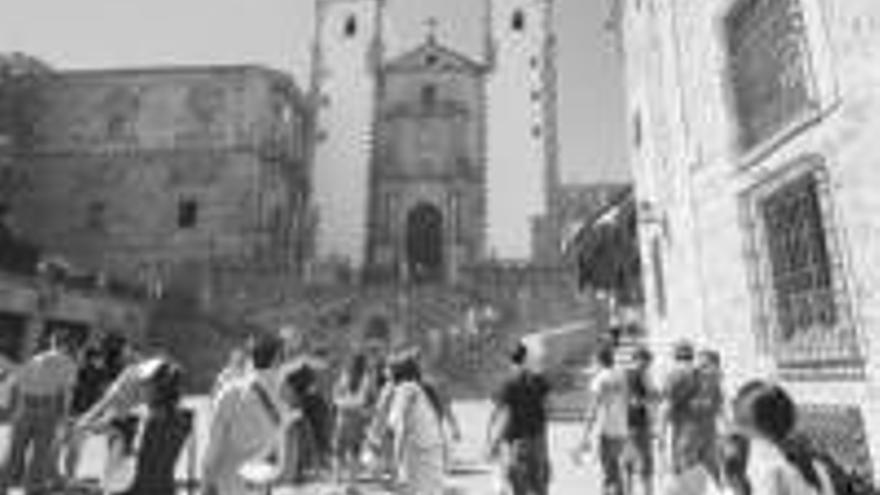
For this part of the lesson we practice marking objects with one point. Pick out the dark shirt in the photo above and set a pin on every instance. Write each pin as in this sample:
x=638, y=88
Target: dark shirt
x=163, y=439
x=91, y=382
x=524, y=396
x=638, y=401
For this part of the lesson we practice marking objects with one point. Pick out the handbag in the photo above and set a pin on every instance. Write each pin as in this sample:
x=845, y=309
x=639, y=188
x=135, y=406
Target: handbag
x=121, y=467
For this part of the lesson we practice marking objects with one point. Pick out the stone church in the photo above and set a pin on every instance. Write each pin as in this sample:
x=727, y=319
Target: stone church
x=430, y=161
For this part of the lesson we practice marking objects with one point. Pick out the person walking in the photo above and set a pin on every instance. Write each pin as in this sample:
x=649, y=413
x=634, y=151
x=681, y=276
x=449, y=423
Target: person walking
x=350, y=397
x=518, y=428
x=606, y=425
x=691, y=409
x=246, y=423
x=642, y=396
x=237, y=367
x=45, y=385
x=417, y=435
x=155, y=440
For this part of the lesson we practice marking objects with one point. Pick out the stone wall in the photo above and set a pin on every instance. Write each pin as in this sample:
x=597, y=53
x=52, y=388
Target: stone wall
x=138, y=170
x=699, y=190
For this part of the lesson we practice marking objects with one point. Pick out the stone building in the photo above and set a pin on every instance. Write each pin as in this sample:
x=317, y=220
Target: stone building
x=141, y=171
x=362, y=95
x=753, y=143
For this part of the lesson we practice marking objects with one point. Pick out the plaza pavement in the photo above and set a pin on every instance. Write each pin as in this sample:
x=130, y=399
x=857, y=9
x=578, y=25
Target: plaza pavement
x=472, y=475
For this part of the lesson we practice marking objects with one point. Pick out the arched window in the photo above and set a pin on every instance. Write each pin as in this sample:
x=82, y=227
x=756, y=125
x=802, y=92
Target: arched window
x=350, y=28
x=518, y=21
x=429, y=95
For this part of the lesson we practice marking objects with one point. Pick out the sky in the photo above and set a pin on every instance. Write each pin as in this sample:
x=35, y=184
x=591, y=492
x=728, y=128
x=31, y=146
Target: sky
x=70, y=34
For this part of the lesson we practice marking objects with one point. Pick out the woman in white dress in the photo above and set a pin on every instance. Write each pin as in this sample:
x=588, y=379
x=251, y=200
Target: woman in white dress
x=417, y=432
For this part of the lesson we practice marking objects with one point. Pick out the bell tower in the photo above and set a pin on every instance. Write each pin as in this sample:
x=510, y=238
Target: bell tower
x=522, y=163
x=347, y=55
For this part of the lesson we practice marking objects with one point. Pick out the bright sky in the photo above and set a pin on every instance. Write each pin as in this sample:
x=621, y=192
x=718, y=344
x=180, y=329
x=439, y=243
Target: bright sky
x=108, y=33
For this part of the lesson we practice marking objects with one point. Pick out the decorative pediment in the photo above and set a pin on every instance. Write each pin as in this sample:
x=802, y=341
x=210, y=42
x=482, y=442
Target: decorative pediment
x=432, y=56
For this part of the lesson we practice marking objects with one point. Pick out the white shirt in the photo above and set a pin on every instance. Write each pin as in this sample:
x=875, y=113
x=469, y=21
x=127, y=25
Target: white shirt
x=770, y=473
x=609, y=391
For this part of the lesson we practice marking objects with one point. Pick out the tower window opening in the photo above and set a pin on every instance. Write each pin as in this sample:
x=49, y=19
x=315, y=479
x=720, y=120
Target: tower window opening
x=533, y=62
x=350, y=28
x=95, y=215
x=518, y=21
x=187, y=214
x=536, y=130
x=637, y=129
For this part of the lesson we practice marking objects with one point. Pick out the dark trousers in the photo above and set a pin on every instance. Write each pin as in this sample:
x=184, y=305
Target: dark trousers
x=33, y=429
x=611, y=459
x=527, y=466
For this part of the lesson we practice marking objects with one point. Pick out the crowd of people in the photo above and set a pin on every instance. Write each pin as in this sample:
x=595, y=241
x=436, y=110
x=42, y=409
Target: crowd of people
x=281, y=415
x=64, y=395
x=701, y=442
x=270, y=421
x=278, y=415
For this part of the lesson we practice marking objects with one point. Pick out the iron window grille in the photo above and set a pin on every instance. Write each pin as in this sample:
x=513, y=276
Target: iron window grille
x=798, y=274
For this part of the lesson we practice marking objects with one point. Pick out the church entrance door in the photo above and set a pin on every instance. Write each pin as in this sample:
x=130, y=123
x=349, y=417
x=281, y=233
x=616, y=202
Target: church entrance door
x=424, y=243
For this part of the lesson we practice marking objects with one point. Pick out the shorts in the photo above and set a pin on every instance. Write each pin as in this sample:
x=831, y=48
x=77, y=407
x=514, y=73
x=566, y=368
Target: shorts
x=638, y=456
x=526, y=466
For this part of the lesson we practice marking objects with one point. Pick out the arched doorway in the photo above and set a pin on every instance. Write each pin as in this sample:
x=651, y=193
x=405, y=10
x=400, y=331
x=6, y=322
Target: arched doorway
x=424, y=243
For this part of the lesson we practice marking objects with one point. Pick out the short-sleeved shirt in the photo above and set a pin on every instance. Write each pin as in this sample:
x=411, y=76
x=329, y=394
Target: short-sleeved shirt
x=48, y=374
x=609, y=390
x=694, y=404
x=524, y=397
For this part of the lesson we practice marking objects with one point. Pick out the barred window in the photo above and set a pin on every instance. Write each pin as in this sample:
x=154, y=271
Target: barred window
x=769, y=67
x=800, y=267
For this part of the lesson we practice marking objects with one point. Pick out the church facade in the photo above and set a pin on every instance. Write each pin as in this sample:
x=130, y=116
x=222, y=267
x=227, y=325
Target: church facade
x=428, y=172
x=431, y=161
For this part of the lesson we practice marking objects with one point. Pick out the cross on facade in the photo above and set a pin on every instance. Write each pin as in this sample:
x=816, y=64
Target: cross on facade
x=431, y=25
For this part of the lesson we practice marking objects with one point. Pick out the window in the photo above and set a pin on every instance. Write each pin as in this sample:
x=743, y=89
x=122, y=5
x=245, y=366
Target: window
x=533, y=62
x=800, y=272
x=536, y=130
x=431, y=59
x=518, y=21
x=95, y=215
x=350, y=28
x=637, y=129
x=117, y=127
x=536, y=95
x=769, y=67
x=659, y=278
x=429, y=95
x=187, y=214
